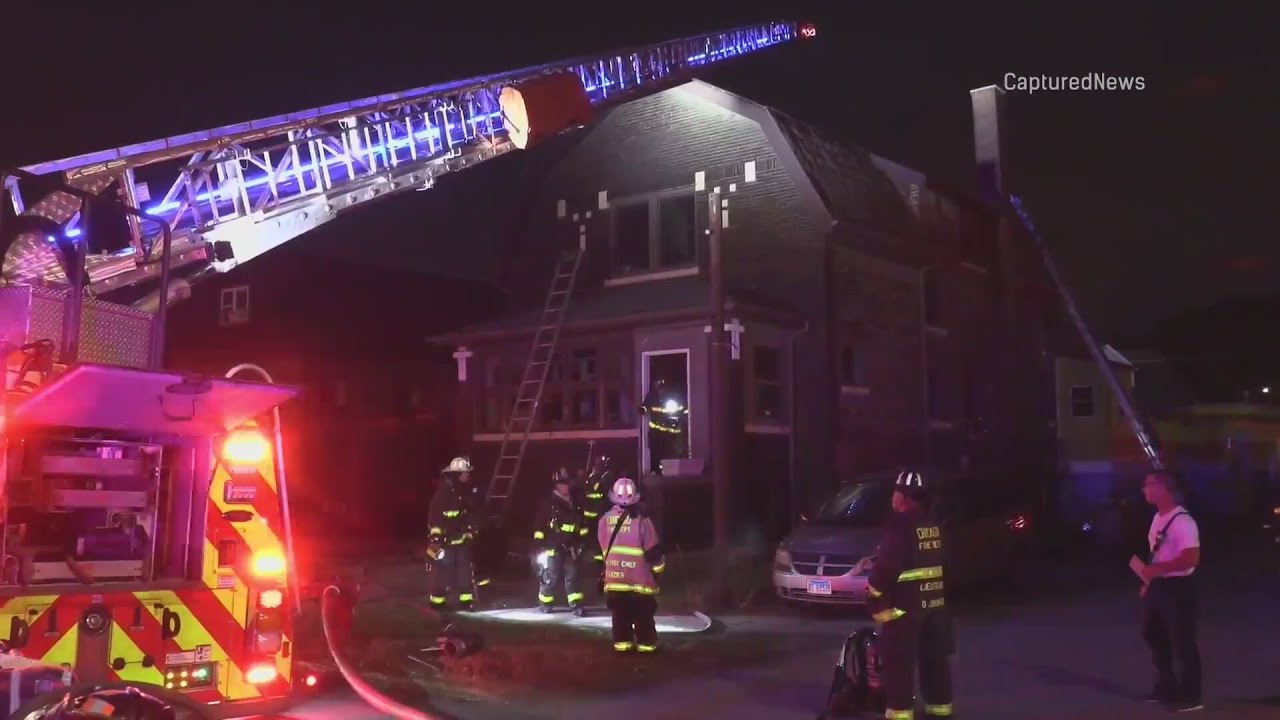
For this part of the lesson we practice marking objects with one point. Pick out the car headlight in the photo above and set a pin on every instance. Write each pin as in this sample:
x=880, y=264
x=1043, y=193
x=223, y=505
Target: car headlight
x=782, y=561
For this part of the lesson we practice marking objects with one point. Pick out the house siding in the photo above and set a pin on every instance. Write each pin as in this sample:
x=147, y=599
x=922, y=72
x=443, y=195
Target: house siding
x=878, y=311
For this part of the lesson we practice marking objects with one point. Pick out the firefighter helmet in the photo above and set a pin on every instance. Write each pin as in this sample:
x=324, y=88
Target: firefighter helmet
x=560, y=476
x=912, y=484
x=624, y=493
x=458, y=465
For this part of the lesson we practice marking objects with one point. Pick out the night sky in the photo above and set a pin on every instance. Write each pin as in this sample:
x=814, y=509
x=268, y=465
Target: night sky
x=1152, y=200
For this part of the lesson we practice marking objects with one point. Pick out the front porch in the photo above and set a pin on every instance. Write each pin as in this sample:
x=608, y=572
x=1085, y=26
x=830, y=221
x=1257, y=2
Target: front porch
x=604, y=365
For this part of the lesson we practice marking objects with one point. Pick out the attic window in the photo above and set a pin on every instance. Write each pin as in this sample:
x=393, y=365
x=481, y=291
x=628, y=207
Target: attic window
x=233, y=308
x=655, y=234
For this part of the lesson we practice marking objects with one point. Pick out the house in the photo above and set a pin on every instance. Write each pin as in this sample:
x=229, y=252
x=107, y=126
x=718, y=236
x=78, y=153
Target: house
x=877, y=317
x=372, y=426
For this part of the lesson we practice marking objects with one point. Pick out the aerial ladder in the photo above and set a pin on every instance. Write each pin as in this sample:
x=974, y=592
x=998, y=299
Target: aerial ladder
x=235, y=192
x=1139, y=428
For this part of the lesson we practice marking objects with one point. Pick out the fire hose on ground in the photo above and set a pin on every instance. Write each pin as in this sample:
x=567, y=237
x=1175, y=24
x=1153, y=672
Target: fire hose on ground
x=331, y=605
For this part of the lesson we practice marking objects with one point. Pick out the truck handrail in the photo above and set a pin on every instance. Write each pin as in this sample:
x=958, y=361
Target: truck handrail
x=157, y=335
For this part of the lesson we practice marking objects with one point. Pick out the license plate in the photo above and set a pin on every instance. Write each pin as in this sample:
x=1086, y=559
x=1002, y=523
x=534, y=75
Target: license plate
x=819, y=587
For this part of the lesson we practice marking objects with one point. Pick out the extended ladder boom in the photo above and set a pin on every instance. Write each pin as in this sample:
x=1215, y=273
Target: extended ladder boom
x=240, y=190
x=1118, y=389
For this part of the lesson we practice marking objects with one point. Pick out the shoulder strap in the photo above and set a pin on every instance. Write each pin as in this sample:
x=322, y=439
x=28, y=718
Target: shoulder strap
x=1169, y=522
x=616, y=527
x=1164, y=532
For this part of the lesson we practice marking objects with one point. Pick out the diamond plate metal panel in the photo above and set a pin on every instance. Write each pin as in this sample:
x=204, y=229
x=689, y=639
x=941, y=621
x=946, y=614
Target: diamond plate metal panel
x=110, y=334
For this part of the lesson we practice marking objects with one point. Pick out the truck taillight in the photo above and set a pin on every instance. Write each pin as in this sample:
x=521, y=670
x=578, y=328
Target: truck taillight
x=245, y=448
x=270, y=599
x=261, y=674
x=268, y=563
x=266, y=633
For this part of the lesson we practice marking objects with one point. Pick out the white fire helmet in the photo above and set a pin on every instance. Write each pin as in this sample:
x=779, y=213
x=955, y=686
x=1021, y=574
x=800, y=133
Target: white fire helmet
x=624, y=492
x=458, y=465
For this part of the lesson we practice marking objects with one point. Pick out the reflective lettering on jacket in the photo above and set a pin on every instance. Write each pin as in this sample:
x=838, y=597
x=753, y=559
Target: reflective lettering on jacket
x=907, y=574
x=595, y=498
x=636, y=558
x=450, y=515
x=559, y=523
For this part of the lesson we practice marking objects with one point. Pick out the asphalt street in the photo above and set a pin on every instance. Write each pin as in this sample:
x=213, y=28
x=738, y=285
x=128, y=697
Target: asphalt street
x=1066, y=648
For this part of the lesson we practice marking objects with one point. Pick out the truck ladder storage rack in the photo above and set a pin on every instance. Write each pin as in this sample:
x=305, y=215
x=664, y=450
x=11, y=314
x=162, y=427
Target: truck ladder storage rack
x=237, y=191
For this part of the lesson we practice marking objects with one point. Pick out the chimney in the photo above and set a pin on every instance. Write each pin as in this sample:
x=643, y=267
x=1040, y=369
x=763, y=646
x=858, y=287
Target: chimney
x=988, y=113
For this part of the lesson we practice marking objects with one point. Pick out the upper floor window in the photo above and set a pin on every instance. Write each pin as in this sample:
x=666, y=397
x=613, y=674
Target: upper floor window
x=656, y=234
x=1082, y=401
x=853, y=367
x=233, y=308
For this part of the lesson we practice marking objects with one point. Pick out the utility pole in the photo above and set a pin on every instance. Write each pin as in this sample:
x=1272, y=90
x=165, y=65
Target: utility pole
x=717, y=220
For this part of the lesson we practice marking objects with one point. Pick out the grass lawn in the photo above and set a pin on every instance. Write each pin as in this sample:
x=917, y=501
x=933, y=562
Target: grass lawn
x=514, y=658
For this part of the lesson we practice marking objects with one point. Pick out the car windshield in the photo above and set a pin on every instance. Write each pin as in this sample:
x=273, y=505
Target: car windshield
x=859, y=504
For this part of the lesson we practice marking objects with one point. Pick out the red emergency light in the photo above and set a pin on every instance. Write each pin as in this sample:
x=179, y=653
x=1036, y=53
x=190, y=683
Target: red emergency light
x=808, y=30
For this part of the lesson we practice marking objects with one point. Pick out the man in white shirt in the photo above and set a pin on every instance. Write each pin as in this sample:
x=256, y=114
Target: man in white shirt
x=1172, y=599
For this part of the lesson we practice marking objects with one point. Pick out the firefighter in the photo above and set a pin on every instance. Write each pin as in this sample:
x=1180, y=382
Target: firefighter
x=595, y=497
x=560, y=536
x=450, y=537
x=906, y=598
x=666, y=411
x=633, y=561
x=481, y=539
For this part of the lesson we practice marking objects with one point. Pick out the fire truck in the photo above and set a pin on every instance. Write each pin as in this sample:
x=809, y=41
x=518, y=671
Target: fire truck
x=146, y=535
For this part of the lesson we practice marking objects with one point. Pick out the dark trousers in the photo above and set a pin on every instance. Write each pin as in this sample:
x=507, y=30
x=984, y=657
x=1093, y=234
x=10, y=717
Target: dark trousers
x=922, y=640
x=634, y=627
x=451, y=577
x=1169, y=627
x=562, y=566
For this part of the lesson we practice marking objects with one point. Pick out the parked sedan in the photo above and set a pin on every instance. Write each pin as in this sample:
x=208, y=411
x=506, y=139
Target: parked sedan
x=988, y=521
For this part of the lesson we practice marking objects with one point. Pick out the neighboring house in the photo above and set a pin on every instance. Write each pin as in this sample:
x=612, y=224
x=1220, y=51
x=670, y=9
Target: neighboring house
x=371, y=428
x=1092, y=429
x=877, y=318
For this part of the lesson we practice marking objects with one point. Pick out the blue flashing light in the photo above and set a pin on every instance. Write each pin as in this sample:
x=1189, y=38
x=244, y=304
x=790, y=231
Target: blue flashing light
x=449, y=134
